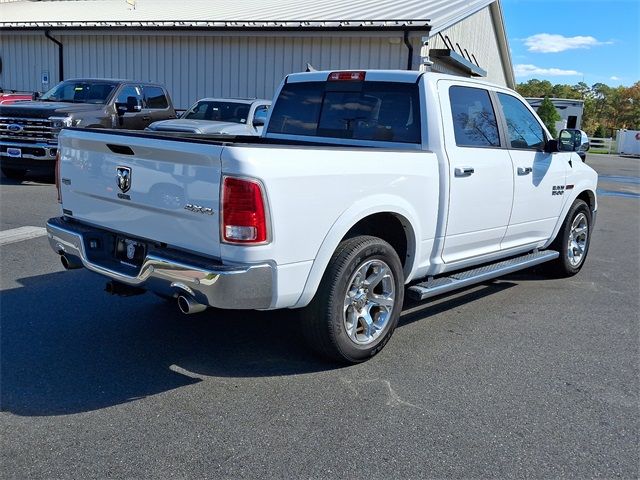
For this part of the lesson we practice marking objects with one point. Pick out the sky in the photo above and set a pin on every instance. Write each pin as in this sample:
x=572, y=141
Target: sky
x=569, y=41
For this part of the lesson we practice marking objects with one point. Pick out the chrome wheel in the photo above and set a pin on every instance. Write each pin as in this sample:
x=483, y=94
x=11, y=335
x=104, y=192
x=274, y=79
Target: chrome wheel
x=577, y=242
x=369, y=301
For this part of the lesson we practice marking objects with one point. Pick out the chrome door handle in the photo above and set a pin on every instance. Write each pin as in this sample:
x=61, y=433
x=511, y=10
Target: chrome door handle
x=524, y=170
x=463, y=171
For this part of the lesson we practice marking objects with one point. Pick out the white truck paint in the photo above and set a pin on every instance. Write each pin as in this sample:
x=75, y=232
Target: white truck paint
x=443, y=205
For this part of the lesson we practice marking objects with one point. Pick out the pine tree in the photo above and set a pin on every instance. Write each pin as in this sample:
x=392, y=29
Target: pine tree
x=549, y=115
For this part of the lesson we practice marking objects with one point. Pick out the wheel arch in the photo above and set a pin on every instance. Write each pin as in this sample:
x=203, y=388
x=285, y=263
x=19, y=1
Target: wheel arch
x=391, y=219
x=585, y=194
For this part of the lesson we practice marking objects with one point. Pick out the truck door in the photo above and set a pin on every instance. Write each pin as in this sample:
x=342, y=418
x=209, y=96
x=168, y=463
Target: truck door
x=156, y=105
x=130, y=120
x=539, y=177
x=480, y=173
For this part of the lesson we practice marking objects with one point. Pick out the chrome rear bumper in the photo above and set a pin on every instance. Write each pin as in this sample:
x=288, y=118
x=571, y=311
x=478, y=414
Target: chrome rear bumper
x=170, y=272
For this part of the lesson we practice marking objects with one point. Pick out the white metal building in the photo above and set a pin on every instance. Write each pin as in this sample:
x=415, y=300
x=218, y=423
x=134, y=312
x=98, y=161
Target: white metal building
x=243, y=48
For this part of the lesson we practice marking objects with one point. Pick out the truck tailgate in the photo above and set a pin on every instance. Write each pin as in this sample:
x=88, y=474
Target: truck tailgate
x=165, y=190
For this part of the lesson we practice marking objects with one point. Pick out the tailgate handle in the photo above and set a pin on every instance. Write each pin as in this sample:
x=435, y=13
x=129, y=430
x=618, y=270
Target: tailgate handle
x=120, y=149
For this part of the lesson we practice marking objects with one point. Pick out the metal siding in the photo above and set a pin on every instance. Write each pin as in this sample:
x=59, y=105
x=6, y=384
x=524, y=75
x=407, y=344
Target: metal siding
x=238, y=66
x=478, y=35
x=24, y=58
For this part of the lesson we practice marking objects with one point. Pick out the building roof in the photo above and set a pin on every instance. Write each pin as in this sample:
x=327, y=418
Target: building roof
x=433, y=15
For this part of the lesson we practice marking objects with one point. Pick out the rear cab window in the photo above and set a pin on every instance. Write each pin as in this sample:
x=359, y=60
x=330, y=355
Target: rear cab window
x=360, y=110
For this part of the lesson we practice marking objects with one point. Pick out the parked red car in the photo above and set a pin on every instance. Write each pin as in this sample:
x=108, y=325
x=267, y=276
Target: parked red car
x=13, y=97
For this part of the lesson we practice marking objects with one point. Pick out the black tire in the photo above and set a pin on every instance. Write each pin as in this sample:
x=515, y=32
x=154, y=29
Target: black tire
x=564, y=266
x=14, y=173
x=324, y=321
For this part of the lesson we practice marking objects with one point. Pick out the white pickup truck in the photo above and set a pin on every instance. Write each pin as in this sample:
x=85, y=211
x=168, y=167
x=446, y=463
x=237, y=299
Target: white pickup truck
x=364, y=185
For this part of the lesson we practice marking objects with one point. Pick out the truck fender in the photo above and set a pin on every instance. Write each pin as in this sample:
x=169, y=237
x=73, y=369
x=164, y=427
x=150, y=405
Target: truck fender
x=359, y=210
x=577, y=190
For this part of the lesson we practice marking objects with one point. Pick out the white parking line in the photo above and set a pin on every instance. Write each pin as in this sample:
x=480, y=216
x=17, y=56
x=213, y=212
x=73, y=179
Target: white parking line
x=21, y=233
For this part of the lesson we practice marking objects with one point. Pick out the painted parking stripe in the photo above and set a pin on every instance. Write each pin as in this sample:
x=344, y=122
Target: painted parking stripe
x=21, y=233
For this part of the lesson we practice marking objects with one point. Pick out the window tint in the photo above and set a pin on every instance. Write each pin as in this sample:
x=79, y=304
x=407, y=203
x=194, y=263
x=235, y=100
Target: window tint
x=364, y=111
x=129, y=91
x=155, y=97
x=523, y=130
x=474, y=121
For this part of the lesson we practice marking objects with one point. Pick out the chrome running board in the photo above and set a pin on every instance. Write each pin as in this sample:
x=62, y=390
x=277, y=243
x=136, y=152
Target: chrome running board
x=464, y=278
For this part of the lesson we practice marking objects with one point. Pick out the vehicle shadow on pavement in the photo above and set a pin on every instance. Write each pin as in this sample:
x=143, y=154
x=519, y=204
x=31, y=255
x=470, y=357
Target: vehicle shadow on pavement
x=68, y=347
x=28, y=180
x=65, y=349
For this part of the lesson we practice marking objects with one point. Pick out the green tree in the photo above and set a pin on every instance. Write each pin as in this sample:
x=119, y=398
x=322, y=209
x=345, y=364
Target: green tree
x=535, y=88
x=549, y=115
x=605, y=108
x=600, y=132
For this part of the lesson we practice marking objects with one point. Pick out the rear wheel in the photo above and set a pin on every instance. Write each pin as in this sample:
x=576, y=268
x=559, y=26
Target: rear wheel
x=14, y=173
x=572, y=241
x=358, y=303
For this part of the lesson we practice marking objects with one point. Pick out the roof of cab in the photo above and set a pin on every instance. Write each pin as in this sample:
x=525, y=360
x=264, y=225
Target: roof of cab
x=402, y=76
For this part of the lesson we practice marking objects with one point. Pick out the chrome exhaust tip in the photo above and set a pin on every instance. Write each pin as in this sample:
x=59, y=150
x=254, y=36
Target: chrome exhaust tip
x=188, y=305
x=68, y=263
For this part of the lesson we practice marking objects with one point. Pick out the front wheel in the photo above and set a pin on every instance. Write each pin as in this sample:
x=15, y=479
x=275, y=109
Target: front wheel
x=358, y=303
x=572, y=241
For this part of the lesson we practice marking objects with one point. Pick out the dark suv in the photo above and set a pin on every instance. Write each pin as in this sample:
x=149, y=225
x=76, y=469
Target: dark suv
x=29, y=130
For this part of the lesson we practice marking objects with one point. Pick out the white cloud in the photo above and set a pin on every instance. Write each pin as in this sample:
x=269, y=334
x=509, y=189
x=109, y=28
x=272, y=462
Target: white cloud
x=552, y=43
x=523, y=70
x=614, y=78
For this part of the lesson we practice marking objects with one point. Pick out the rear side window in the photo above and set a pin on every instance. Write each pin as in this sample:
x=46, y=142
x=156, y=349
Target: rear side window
x=523, y=130
x=382, y=111
x=474, y=120
x=155, y=97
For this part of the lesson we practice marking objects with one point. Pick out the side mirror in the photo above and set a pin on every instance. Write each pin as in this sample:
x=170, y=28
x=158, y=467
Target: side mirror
x=133, y=105
x=260, y=117
x=573, y=140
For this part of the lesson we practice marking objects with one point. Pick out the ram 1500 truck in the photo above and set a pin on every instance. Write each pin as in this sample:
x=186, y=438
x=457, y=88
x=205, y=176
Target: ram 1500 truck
x=29, y=130
x=364, y=186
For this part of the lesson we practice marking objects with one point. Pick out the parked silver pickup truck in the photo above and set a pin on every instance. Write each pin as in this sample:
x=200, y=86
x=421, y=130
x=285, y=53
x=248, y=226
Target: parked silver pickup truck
x=222, y=116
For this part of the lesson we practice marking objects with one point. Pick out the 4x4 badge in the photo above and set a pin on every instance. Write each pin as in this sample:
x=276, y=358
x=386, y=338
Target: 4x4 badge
x=124, y=178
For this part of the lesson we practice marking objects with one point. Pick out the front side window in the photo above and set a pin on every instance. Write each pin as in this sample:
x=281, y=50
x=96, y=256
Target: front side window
x=233, y=112
x=155, y=98
x=474, y=121
x=129, y=91
x=382, y=111
x=80, y=92
x=523, y=130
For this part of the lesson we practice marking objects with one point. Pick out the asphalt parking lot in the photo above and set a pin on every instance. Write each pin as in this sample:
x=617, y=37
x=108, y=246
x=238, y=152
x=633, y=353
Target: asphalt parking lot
x=522, y=377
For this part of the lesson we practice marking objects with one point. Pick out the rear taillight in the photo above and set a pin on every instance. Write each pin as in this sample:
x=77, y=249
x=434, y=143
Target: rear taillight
x=346, y=76
x=58, y=177
x=243, y=211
